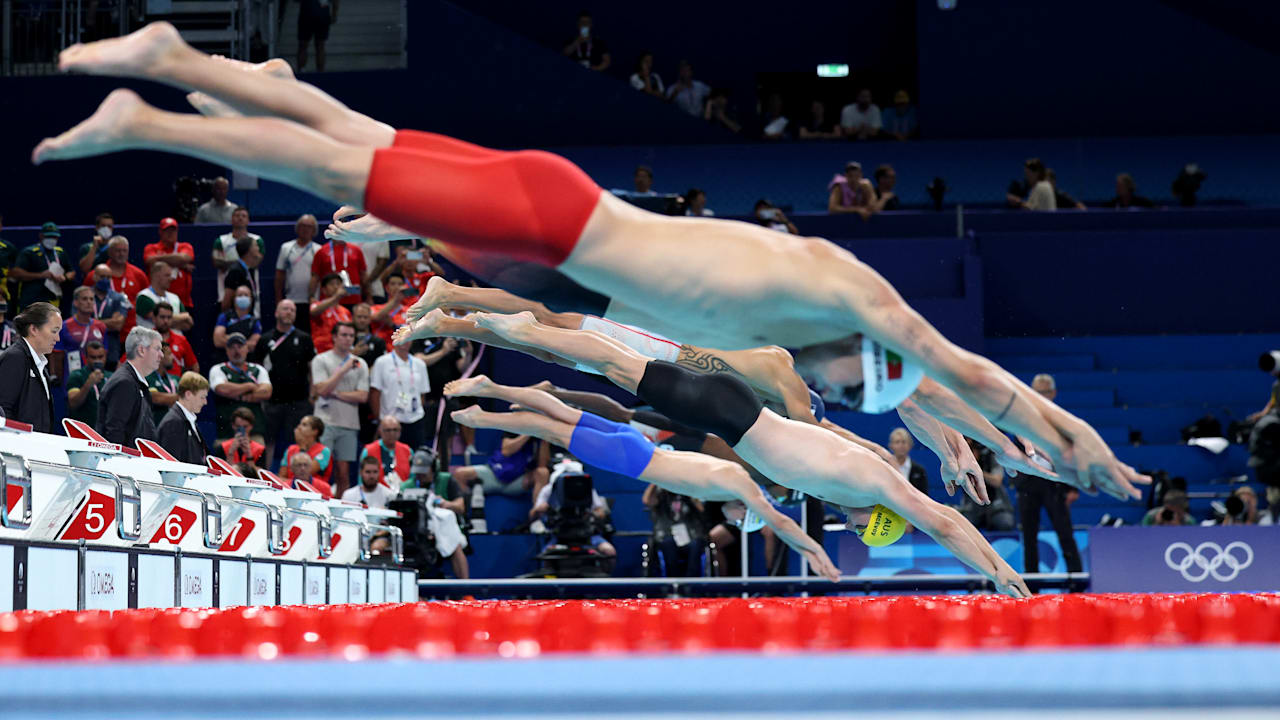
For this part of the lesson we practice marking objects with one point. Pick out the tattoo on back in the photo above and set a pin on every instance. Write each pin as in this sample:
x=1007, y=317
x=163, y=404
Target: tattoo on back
x=702, y=361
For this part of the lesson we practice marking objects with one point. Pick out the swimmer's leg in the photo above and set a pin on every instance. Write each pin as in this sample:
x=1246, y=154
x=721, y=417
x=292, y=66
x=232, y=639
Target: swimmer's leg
x=523, y=423
x=622, y=365
x=268, y=147
x=437, y=324
x=529, y=398
x=157, y=52
x=441, y=293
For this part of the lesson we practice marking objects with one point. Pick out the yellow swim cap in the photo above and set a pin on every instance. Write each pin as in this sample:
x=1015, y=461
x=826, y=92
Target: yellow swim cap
x=883, y=528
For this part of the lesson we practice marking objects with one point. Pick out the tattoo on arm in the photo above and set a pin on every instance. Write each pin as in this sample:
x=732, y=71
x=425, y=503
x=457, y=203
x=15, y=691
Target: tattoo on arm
x=1007, y=407
x=702, y=361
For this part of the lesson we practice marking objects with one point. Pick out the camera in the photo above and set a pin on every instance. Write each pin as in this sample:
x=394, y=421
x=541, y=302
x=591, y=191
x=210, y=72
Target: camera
x=570, y=518
x=187, y=191
x=1187, y=184
x=1269, y=362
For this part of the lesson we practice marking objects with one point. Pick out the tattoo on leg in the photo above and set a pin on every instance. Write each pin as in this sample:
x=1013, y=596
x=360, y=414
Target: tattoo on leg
x=702, y=361
x=1009, y=405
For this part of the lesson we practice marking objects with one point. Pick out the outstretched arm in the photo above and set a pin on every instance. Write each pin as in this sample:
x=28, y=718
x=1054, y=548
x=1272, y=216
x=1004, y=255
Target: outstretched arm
x=951, y=411
x=787, y=530
x=1079, y=454
x=959, y=468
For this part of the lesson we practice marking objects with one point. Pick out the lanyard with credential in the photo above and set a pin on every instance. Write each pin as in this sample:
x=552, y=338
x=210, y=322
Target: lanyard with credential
x=280, y=340
x=333, y=257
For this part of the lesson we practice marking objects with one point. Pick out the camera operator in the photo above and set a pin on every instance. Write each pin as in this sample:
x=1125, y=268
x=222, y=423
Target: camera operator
x=1171, y=511
x=679, y=537
x=548, y=500
x=1270, y=364
x=1241, y=509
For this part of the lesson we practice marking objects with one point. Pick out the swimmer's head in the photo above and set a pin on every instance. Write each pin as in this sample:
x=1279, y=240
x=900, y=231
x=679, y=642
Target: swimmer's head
x=840, y=371
x=878, y=526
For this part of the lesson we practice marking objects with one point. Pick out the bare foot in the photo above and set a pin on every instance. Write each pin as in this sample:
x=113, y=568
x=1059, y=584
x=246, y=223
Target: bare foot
x=508, y=326
x=364, y=229
x=143, y=53
x=544, y=386
x=105, y=131
x=478, y=386
x=427, y=326
x=433, y=298
x=213, y=107
x=469, y=416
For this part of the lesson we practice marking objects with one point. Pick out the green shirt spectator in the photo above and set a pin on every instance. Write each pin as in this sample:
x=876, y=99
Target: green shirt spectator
x=34, y=261
x=84, y=386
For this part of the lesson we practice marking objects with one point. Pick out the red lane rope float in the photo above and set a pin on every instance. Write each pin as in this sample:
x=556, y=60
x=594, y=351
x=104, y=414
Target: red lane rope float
x=528, y=628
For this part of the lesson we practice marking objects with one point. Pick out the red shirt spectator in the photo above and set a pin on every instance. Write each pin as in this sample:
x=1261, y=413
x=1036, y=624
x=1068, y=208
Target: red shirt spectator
x=327, y=312
x=319, y=453
x=184, y=358
x=338, y=257
x=178, y=255
x=393, y=313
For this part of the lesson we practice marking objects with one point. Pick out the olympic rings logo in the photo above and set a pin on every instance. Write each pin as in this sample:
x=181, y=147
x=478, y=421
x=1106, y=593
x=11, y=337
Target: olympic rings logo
x=1197, y=564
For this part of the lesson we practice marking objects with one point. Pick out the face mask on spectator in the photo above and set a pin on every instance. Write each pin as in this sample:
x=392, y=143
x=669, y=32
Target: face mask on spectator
x=97, y=365
x=103, y=285
x=104, y=232
x=243, y=302
x=49, y=242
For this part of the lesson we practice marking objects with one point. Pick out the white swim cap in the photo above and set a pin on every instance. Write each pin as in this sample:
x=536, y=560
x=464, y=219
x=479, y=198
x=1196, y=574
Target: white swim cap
x=887, y=379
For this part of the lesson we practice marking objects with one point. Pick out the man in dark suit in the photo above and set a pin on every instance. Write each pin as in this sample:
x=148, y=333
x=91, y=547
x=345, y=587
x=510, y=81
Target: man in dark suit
x=124, y=410
x=1036, y=492
x=178, y=432
x=24, y=381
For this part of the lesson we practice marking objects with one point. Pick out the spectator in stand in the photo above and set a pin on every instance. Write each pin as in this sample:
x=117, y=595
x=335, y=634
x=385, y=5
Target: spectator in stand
x=444, y=364
x=517, y=467
x=227, y=250
x=244, y=273
x=239, y=383
x=24, y=390
x=114, y=310
x=328, y=312
x=163, y=384
x=94, y=252
x=688, y=94
x=1037, y=492
x=179, y=256
x=241, y=447
x=900, y=444
x=696, y=204
x=1241, y=509
x=239, y=320
x=851, y=193
x=642, y=180
x=645, y=79
x=773, y=218
x=286, y=352
x=8, y=335
x=900, y=120
x=716, y=111
x=42, y=268
x=218, y=210
x=347, y=261
x=307, y=444
x=860, y=119
x=393, y=313
x=124, y=410
x=586, y=49
x=886, y=180
x=1127, y=196
x=773, y=123
x=997, y=516
x=377, y=256
x=373, y=491
x=369, y=346
x=302, y=469
x=1171, y=511
x=414, y=261
x=1061, y=200
x=160, y=292
x=398, y=387
x=293, y=269
x=80, y=329
x=678, y=533
x=392, y=456
x=184, y=358
x=84, y=385
x=818, y=126
x=315, y=17
x=340, y=383
x=125, y=277
x=178, y=432
x=8, y=253
x=1033, y=192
